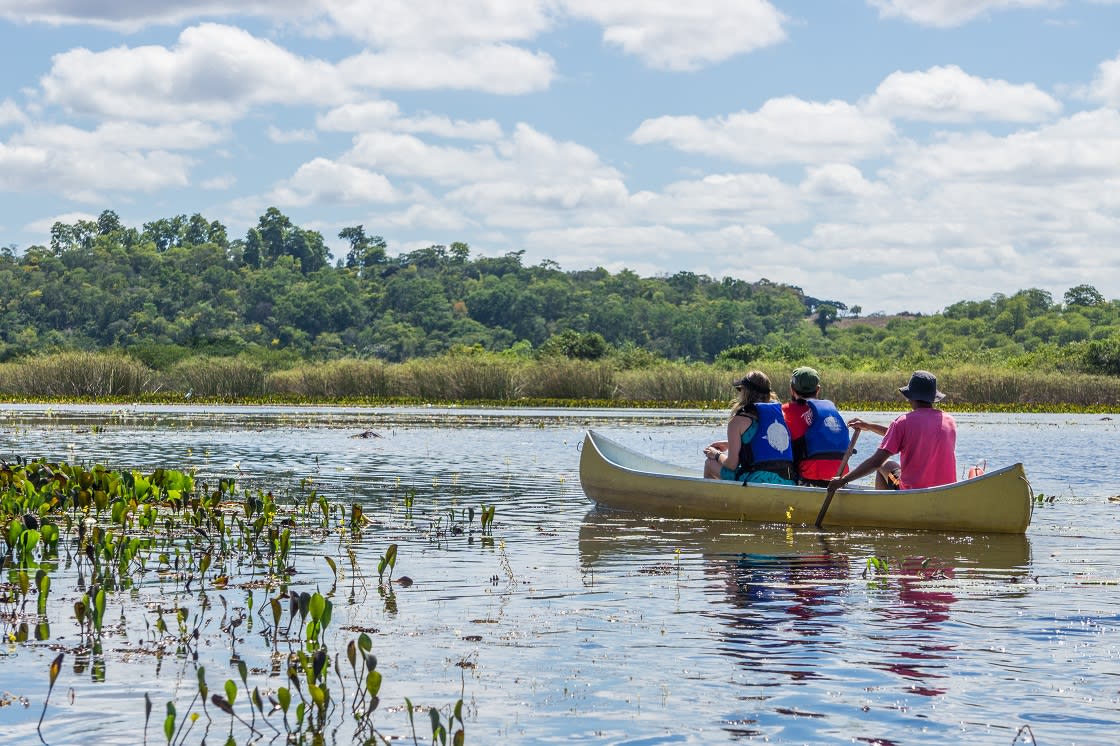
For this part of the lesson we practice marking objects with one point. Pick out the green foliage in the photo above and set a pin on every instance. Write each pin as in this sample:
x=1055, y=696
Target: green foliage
x=267, y=314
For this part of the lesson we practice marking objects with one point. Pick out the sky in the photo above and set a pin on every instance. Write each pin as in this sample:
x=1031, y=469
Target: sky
x=898, y=155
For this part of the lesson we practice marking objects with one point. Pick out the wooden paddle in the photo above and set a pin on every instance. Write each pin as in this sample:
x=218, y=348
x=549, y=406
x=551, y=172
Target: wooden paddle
x=839, y=472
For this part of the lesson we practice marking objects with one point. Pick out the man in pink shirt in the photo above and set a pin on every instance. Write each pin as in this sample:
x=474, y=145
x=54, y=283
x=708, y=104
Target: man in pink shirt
x=925, y=438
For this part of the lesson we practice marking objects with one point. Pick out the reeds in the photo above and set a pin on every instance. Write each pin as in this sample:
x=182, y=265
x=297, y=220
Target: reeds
x=492, y=377
x=84, y=375
x=221, y=377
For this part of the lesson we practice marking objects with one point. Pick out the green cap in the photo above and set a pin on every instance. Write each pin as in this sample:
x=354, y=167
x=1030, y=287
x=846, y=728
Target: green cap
x=805, y=381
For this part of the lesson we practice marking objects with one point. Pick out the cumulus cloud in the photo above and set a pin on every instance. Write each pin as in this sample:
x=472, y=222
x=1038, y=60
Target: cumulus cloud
x=213, y=73
x=948, y=94
x=218, y=183
x=287, y=137
x=1106, y=86
x=784, y=130
x=323, y=181
x=10, y=113
x=132, y=15
x=493, y=68
x=672, y=35
x=948, y=13
x=87, y=175
x=1084, y=144
x=117, y=136
x=385, y=115
x=437, y=24
x=717, y=198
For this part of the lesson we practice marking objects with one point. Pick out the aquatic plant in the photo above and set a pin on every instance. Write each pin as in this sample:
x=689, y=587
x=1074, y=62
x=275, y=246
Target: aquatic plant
x=119, y=529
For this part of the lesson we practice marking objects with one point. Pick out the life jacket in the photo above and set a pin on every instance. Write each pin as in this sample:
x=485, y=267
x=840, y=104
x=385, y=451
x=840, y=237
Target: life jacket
x=770, y=448
x=827, y=436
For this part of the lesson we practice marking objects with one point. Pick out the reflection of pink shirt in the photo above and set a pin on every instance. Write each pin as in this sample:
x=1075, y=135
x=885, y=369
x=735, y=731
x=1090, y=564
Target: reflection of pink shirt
x=926, y=441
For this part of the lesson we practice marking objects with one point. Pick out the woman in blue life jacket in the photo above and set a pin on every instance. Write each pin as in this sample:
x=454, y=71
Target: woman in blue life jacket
x=758, y=448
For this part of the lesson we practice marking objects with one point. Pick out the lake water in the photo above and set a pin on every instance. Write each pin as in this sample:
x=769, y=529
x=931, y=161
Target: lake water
x=567, y=624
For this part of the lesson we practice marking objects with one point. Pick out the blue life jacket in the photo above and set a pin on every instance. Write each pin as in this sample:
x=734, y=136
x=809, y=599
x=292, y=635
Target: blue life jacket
x=827, y=436
x=771, y=448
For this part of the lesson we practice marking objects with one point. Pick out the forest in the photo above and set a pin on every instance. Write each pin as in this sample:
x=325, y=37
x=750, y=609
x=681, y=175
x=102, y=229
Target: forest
x=180, y=287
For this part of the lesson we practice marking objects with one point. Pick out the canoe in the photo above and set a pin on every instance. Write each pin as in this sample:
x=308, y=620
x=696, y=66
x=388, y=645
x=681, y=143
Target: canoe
x=617, y=477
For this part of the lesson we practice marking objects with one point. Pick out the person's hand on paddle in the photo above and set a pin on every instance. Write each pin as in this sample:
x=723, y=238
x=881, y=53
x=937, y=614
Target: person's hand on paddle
x=836, y=483
x=860, y=425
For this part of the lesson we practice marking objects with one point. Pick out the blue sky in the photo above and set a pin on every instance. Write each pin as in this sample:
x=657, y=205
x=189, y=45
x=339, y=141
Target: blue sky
x=893, y=154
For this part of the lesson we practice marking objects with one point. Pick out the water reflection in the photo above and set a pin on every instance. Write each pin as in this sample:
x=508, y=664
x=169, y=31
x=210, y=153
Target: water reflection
x=788, y=600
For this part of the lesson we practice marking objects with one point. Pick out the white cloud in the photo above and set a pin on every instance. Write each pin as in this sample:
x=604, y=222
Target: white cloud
x=123, y=136
x=409, y=156
x=947, y=13
x=740, y=250
x=784, y=130
x=385, y=115
x=44, y=225
x=1106, y=86
x=430, y=216
x=10, y=113
x=717, y=198
x=133, y=15
x=287, y=137
x=322, y=181
x=218, y=183
x=673, y=35
x=214, y=73
x=437, y=24
x=88, y=175
x=1082, y=145
x=492, y=68
x=948, y=94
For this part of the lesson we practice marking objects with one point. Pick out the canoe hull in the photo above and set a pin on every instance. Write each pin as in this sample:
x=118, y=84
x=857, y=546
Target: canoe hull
x=619, y=478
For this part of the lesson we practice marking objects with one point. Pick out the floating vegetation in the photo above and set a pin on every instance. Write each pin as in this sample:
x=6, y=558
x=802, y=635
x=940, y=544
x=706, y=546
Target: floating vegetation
x=106, y=533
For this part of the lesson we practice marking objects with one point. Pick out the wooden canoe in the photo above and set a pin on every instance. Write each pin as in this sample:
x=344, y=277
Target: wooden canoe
x=617, y=477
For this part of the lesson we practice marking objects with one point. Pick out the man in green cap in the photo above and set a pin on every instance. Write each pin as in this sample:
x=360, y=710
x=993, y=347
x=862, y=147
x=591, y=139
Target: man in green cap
x=819, y=434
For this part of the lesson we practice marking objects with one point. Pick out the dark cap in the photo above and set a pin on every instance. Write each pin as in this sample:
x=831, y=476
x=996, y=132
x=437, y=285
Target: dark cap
x=922, y=387
x=805, y=381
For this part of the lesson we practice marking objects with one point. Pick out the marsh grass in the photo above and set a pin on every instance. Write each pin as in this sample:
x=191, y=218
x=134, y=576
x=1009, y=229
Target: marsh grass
x=337, y=379
x=459, y=378
x=559, y=378
x=76, y=374
x=222, y=377
x=506, y=379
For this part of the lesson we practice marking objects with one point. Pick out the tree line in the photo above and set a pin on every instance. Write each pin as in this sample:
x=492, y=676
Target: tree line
x=179, y=287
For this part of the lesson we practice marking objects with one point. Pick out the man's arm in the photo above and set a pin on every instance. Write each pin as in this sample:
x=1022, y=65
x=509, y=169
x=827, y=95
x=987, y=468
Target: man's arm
x=869, y=465
x=859, y=424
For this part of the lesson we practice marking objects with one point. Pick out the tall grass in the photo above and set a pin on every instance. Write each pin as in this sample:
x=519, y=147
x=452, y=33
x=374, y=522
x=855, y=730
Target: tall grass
x=221, y=377
x=76, y=375
x=459, y=378
x=502, y=378
x=559, y=378
x=335, y=379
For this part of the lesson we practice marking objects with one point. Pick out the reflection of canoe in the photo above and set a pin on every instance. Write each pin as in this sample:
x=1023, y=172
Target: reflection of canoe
x=616, y=477
x=609, y=536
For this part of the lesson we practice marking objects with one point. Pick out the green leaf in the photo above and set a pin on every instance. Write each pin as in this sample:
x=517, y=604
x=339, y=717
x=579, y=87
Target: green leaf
x=373, y=683
x=231, y=690
x=284, y=696
x=169, y=722
x=316, y=605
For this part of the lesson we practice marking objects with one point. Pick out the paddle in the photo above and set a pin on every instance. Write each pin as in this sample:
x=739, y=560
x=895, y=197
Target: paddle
x=839, y=472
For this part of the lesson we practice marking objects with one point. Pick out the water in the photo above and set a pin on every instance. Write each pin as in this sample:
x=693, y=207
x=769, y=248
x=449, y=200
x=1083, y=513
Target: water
x=574, y=625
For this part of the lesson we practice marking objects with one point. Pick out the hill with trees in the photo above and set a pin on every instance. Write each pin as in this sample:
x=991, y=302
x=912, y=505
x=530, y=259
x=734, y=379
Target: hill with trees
x=180, y=287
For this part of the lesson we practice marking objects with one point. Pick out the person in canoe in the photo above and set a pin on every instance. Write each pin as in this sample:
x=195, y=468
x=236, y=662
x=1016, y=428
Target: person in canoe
x=925, y=439
x=819, y=434
x=758, y=448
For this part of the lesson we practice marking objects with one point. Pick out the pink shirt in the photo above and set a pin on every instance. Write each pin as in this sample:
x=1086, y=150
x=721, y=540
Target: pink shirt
x=926, y=441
